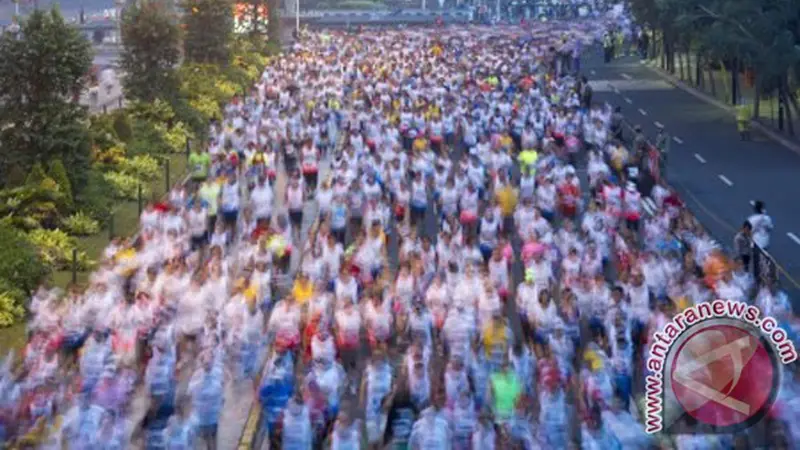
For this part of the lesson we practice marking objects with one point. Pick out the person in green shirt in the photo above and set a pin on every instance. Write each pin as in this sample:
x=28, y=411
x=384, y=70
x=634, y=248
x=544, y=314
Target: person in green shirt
x=506, y=390
x=527, y=159
x=199, y=164
x=209, y=194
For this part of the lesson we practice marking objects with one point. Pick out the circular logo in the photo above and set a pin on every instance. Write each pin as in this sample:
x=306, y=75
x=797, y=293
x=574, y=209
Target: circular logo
x=725, y=375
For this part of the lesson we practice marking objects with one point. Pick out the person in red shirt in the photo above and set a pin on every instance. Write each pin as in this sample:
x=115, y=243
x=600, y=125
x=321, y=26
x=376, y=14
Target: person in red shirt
x=569, y=195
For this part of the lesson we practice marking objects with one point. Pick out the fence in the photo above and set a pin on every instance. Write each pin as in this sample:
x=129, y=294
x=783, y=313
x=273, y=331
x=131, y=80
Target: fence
x=762, y=263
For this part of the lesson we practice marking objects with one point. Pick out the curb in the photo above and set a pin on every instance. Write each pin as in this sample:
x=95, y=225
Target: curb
x=772, y=134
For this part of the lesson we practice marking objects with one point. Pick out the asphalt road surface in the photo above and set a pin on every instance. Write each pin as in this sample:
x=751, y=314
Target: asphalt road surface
x=716, y=173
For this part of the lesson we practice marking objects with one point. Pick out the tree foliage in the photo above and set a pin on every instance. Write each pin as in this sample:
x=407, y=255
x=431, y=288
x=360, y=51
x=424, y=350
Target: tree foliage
x=20, y=263
x=151, y=52
x=208, y=25
x=760, y=34
x=42, y=71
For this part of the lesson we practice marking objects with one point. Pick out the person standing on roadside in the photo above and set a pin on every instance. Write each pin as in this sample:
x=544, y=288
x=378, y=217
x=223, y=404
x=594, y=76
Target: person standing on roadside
x=743, y=243
x=662, y=144
x=608, y=47
x=762, y=225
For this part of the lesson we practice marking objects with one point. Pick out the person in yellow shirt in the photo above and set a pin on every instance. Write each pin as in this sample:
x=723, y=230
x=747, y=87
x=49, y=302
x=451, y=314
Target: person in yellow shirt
x=507, y=199
x=303, y=288
x=496, y=335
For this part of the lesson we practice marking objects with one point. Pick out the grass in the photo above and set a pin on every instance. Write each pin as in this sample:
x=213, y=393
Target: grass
x=768, y=105
x=126, y=221
x=12, y=338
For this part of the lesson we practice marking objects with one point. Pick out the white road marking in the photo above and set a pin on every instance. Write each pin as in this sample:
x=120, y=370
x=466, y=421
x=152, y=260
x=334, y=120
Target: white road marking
x=642, y=112
x=677, y=139
x=658, y=124
x=626, y=76
x=628, y=100
x=616, y=91
x=648, y=208
x=650, y=204
x=794, y=238
x=593, y=72
x=725, y=180
x=698, y=157
x=752, y=203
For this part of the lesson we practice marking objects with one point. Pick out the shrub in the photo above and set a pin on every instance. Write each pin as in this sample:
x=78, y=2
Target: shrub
x=125, y=186
x=208, y=107
x=148, y=138
x=195, y=121
x=159, y=112
x=58, y=173
x=55, y=248
x=102, y=132
x=20, y=263
x=122, y=125
x=12, y=300
x=36, y=175
x=96, y=197
x=143, y=167
x=176, y=136
x=109, y=157
x=33, y=205
x=81, y=224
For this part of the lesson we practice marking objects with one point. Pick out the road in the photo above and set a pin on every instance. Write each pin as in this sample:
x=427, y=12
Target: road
x=716, y=173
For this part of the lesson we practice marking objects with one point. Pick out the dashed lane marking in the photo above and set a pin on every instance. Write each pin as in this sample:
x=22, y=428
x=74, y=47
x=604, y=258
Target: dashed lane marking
x=628, y=100
x=593, y=72
x=642, y=112
x=650, y=205
x=725, y=180
x=677, y=139
x=700, y=158
x=626, y=76
x=793, y=237
x=658, y=124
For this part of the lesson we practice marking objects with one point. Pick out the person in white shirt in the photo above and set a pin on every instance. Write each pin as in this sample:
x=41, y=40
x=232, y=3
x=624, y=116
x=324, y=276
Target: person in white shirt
x=762, y=225
x=261, y=199
x=197, y=221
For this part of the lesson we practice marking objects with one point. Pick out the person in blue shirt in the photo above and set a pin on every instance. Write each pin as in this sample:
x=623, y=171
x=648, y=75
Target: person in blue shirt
x=277, y=388
x=182, y=428
x=207, y=389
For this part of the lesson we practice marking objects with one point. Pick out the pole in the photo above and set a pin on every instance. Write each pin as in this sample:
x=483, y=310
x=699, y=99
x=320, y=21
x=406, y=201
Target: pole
x=111, y=225
x=188, y=148
x=141, y=200
x=297, y=18
x=166, y=176
x=74, y=266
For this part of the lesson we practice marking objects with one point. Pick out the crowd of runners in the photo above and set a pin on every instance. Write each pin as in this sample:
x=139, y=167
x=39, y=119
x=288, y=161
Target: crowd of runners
x=483, y=274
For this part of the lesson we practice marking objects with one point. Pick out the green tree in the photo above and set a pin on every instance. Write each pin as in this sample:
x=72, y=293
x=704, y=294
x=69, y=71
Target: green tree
x=151, y=51
x=761, y=36
x=42, y=72
x=36, y=174
x=208, y=25
x=59, y=174
x=20, y=263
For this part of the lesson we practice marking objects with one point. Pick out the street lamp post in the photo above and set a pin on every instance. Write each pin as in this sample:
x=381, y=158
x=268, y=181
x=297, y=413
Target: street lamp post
x=297, y=17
